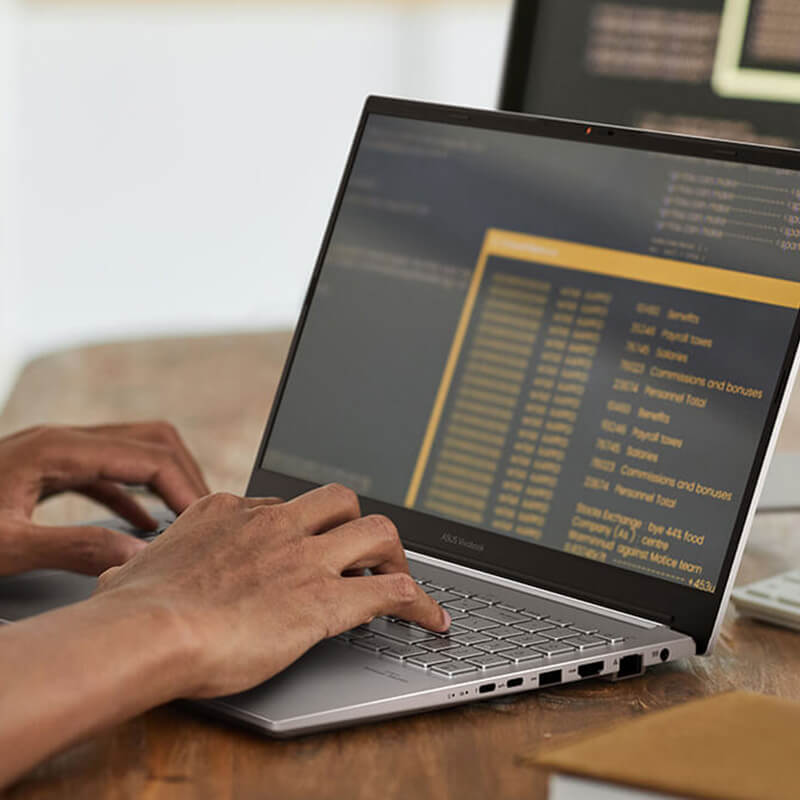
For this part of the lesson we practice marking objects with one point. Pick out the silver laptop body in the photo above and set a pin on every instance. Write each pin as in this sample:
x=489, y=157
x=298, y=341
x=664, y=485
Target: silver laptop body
x=533, y=344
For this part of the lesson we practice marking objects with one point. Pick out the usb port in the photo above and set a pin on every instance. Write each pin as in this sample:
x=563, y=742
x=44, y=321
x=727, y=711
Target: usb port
x=591, y=669
x=514, y=682
x=487, y=687
x=550, y=678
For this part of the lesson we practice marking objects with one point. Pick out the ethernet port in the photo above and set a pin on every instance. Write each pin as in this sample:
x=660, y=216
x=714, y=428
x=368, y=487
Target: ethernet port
x=630, y=666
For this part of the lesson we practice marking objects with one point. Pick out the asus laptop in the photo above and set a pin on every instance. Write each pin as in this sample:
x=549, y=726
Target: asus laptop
x=556, y=355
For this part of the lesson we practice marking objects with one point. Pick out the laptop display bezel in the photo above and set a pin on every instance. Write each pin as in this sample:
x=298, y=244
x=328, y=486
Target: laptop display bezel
x=687, y=610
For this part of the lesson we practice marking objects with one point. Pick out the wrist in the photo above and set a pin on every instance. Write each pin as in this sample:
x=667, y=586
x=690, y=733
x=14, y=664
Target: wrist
x=160, y=644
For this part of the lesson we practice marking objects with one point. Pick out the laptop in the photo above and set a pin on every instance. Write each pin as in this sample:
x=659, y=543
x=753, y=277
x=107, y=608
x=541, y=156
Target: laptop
x=556, y=354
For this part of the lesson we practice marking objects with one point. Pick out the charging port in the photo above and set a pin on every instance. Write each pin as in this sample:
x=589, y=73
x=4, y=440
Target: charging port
x=514, y=682
x=487, y=687
x=550, y=678
x=630, y=666
x=591, y=669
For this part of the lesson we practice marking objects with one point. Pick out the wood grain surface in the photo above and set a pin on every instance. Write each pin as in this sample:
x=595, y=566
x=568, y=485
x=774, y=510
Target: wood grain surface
x=218, y=390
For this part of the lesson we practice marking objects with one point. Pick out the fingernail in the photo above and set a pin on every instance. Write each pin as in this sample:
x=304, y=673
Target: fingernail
x=446, y=619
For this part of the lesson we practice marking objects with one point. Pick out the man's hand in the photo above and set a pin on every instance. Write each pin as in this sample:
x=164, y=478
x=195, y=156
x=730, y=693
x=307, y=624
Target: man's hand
x=231, y=594
x=250, y=585
x=40, y=462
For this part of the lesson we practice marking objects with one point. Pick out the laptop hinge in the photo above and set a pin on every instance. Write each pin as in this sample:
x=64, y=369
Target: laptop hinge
x=638, y=617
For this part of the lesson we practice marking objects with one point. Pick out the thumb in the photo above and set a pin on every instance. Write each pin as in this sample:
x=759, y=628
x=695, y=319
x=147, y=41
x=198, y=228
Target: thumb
x=89, y=549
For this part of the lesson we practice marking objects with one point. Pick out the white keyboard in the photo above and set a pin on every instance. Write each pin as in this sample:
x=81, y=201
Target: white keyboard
x=775, y=600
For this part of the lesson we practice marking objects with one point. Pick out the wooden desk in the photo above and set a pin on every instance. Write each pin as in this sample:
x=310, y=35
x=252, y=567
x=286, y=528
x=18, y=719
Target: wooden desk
x=217, y=390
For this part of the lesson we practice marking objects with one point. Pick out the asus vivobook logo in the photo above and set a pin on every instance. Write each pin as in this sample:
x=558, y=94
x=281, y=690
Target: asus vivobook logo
x=452, y=538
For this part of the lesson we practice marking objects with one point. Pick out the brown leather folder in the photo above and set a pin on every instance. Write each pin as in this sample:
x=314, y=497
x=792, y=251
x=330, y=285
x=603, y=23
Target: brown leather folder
x=735, y=746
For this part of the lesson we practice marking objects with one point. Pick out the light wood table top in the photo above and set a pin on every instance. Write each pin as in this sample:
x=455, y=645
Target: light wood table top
x=217, y=390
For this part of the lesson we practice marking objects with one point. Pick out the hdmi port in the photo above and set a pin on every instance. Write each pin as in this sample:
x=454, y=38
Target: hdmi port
x=591, y=669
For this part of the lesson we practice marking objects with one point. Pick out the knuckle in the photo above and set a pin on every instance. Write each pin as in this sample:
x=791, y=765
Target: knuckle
x=346, y=496
x=44, y=437
x=264, y=512
x=384, y=528
x=34, y=430
x=404, y=588
x=166, y=429
x=225, y=501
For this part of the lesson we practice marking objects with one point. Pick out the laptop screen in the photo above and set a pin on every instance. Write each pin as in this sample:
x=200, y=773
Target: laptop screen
x=572, y=345
x=728, y=69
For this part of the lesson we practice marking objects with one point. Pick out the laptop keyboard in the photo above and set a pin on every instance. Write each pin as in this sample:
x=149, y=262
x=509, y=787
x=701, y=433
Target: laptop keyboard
x=486, y=633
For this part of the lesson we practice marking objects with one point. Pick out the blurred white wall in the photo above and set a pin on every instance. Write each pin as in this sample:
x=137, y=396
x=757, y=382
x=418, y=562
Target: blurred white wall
x=9, y=292
x=174, y=164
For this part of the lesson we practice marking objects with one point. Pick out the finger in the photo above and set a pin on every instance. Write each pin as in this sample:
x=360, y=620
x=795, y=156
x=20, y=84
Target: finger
x=116, y=499
x=76, y=458
x=361, y=599
x=82, y=548
x=322, y=509
x=159, y=433
x=365, y=543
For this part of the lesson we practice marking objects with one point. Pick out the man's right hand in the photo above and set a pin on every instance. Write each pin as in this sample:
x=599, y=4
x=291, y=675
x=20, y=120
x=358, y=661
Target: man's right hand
x=248, y=585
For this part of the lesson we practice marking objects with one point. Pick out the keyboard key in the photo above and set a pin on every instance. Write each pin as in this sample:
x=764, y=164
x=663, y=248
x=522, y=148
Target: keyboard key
x=463, y=604
x=436, y=585
x=473, y=624
x=483, y=598
x=529, y=612
x=502, y=632
x=499, y=615
x=585, y=641
x=612, y=638
x=463, y=652
x=495, y=646
x=436, y=645
x=375, y=644
x=452, y=668
x=521, y=654
x=534, y=625
x=442, y=597
x=420, y=629
x=394, y=630
x=402, y=651
x=554, y=648
x=470, y=637
x=428, y=659
x=587, y=629
x=507, y=606
x=528, y=639
x=557, y=633
x=487, y=661
x=357, y=633
x=562, y=623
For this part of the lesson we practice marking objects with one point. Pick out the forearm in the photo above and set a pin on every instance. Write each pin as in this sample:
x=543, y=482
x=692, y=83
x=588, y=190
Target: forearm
x=69, y=673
